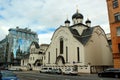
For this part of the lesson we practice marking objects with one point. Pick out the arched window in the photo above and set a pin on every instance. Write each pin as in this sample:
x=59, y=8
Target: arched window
x=61, y=45
x=78, y=54
x=23, y=62
x=56, y=54
x=48, y=57
x=66, y=54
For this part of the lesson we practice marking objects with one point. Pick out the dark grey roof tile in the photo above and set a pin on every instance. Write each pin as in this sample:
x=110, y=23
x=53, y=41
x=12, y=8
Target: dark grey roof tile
x=84, y=37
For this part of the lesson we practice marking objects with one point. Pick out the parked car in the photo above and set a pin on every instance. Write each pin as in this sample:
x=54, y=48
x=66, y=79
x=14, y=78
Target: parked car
x=3, y=68
x=45, y=70
x=14, y=69
x=7, y=75
x=56, y=71
x=70, y=71
x=111, y=72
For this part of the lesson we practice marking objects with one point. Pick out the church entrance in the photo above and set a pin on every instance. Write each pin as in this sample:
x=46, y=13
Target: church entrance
x=60, y=60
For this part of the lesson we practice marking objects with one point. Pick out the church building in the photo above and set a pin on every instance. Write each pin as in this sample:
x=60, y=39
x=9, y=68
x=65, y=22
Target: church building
x=80, y=46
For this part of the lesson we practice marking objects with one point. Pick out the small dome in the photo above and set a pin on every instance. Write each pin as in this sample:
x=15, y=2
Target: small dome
x=77, y=15
x=67, y=21
x=88, y=21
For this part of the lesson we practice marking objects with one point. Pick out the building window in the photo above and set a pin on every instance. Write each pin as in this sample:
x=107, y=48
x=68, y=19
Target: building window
x=66, y=54
x=48, y=57
x=119, y=47
x=56, y=53
x=44, y=57
x=117, y=16
x=118, y=31
x=78, y=54
x=23, y=62
x=115, y=3
x=61, y=46
x=33, y=58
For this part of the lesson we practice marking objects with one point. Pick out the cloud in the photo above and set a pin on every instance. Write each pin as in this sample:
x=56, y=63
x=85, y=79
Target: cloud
x=44, y=16
x=45, y=38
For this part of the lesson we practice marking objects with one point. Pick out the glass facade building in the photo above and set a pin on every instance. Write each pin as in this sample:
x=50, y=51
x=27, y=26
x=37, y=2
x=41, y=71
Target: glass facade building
x=18, y=42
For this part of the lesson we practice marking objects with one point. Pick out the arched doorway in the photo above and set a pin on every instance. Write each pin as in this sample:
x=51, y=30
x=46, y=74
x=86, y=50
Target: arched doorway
x=29, y=66
x=60, y=60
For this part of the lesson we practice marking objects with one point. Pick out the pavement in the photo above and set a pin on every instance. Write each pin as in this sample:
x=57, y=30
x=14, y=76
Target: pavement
x=80, y=74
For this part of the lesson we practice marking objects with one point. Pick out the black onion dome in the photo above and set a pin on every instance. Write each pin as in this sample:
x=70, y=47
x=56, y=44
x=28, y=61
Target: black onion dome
x=77, y=15
x=67, y=21
x=88, y=21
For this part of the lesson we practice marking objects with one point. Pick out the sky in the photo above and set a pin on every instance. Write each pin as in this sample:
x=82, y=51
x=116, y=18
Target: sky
x=45, y=16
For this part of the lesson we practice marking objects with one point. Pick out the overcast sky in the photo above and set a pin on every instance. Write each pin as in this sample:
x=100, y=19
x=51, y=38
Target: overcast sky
x=45, y=16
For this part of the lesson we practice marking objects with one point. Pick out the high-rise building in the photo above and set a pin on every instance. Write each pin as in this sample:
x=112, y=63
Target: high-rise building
x=17, y=43
x=3, y=51
x=114, y=21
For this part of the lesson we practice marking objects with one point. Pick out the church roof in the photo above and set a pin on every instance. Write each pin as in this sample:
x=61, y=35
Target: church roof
x=36, y=44
x=84, y=37
x=77, y=15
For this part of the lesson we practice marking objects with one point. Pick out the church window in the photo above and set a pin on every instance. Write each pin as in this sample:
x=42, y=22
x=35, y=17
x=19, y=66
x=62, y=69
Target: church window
x=56, y=53
x=117, y=16
x=118, y=31
x=66, y=54
x=44, y=57
x=61, y=45
x=33, y=58
x=48, y=57
x=78, y=54
x=115, y=3
x=23, y=62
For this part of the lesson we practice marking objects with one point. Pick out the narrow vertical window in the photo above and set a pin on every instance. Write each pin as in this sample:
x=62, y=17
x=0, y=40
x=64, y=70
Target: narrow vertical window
x=119, y=47
x=23, y=62
x=61, y=46
x=33, y=58
x=78, y=54
x=66, y=54
x=48, y=57
x=56, y=53
x=44, y=57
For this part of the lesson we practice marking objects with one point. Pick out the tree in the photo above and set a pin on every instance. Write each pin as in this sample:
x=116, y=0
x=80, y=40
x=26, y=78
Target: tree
x=18, y=53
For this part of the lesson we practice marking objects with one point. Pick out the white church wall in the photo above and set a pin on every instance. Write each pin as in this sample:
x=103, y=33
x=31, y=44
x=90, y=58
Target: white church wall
x=97, y=50
x=70, y=42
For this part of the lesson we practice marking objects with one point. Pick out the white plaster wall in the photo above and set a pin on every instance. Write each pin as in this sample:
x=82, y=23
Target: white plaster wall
x=36, y=56
x=97, y=50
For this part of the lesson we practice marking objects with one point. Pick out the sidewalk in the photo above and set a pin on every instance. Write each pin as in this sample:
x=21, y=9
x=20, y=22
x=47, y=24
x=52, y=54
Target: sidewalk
x=88, y=75
x=80, y=74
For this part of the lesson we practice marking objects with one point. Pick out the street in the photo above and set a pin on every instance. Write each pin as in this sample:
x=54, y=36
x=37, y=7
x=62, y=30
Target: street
x=34, y=75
